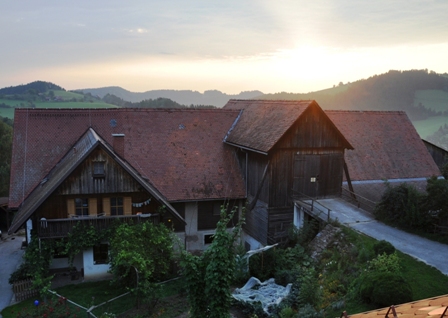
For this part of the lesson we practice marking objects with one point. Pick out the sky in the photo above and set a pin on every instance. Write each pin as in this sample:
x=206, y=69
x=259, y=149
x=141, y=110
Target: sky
x=232, y=46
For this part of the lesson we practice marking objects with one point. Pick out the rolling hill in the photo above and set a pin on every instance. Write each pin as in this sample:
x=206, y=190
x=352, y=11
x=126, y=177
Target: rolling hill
x=183, y=97
x=421, y=94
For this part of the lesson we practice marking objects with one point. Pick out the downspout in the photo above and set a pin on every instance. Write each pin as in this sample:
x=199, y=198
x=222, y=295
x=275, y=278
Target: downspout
x=247, y=173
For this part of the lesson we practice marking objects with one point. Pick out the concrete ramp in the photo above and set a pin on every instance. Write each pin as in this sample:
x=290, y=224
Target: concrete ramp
x=427, y=251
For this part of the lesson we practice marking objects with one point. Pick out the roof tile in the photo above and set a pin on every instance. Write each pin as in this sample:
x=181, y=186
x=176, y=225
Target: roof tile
x=180, y=151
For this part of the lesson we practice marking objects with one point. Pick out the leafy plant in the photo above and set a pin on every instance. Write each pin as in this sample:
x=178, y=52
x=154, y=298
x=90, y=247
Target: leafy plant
x=35, y=266
x=140, y=255
x=383, y=246
x=389, y=263
x=385, y=289
x=403, y=205
x=209, y=276
x=55, y=307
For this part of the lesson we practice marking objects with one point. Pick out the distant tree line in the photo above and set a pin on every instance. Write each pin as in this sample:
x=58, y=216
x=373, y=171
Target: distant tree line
x=440, y=137
x=5, y=154
x=149, y=103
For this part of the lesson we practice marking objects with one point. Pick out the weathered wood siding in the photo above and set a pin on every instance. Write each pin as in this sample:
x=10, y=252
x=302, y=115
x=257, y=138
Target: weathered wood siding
x=318, y=175
x=311, y=148
x=313, y=130
x=257, y=222
x=115, y=180
x=280, y=221
x=255, y=169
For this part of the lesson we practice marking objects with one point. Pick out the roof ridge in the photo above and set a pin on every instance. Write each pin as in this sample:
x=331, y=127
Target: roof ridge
x=364, y=111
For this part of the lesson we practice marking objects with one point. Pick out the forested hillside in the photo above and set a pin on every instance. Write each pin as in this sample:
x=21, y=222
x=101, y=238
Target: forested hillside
x=182, y=97
x=5, y=154
x=394, y=90
x=36, y=87
x=421, y=94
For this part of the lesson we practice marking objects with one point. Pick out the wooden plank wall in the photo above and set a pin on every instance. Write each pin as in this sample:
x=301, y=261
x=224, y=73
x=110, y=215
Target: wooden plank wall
x=280, y=221
x=257, y=222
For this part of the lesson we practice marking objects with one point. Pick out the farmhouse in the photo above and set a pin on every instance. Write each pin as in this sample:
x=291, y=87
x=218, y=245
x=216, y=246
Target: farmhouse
x=178, y=167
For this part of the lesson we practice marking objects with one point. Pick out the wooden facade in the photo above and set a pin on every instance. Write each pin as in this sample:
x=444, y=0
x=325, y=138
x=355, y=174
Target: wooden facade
x=307, y=161
x=111, y=194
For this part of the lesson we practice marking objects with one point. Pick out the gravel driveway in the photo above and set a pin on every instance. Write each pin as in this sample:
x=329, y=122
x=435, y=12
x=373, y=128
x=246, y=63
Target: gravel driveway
x=10, y=258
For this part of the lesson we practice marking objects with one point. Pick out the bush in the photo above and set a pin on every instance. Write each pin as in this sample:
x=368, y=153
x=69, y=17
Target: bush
x=302, y=236
x=403, y=206
x=382, y=247
x=384, y=289
x=385, y=263
x=309, y=311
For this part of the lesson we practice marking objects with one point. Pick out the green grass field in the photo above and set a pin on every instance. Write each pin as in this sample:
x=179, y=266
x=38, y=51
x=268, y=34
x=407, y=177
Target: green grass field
x=429, y=126
x=9, y=112
x=433, y=99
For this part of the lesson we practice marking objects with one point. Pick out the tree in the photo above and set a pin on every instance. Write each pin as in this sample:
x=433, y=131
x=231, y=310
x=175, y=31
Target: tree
x=5, y=156
x=144, y=249
x=209, y=276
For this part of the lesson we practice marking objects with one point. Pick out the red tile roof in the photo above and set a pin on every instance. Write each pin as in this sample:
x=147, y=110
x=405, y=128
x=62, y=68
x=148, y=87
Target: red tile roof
x=179, y=151
x=431, y=307
x=263, y=122
x=386, y=146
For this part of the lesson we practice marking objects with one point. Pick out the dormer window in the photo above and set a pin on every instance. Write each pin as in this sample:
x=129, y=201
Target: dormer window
x=98, y=169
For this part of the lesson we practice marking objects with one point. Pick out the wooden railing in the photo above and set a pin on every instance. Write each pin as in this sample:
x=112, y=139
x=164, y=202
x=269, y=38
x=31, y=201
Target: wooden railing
x=358, y=200
x=57, y=228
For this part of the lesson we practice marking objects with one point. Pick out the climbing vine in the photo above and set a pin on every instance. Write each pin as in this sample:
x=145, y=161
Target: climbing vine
x=82, y=237
x=209, y=276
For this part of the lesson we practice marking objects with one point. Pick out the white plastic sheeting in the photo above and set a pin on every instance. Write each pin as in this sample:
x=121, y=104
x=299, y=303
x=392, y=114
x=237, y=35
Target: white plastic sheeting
x=268, y=293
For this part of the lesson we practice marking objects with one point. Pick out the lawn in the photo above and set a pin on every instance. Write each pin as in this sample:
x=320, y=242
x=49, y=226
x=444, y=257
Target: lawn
x=425, y=281
x=95, y=293
x=429, y=126
x=9, y=112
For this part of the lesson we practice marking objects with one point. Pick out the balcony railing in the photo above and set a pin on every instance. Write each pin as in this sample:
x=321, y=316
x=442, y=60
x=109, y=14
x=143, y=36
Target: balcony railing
x=58, y=228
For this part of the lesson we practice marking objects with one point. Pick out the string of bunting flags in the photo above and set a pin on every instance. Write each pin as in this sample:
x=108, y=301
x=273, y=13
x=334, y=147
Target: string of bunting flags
x=140, y=204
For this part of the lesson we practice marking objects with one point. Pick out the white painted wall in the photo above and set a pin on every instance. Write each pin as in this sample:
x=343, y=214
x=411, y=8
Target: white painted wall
x=29, y=227
x=94, y=271
x=254, y=244
x=299, y=216
x=192, y=239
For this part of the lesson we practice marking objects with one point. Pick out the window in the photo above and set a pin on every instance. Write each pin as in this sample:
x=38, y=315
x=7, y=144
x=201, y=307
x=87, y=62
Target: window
x=98, y=169
x=101, y=254
x=81, y=206
x=116, y=206
x=208, y=238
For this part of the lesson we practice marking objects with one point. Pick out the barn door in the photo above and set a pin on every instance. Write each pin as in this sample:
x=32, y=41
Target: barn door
x=306, y=175
x=318, y=175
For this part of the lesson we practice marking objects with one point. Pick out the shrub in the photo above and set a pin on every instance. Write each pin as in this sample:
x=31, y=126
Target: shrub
x=382, y=247
x=302, y=236
x=309, y=311
x=385, y=289
x=402, y=205
x=385, y=263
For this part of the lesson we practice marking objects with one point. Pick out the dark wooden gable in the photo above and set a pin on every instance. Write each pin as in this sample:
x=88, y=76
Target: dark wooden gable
x=312, y=131
x=83, y=179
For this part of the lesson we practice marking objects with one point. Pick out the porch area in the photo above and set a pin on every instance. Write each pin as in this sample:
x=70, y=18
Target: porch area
x=58, y=228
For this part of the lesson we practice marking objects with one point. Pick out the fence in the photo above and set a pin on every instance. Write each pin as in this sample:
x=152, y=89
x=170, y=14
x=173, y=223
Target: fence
x=23, y=290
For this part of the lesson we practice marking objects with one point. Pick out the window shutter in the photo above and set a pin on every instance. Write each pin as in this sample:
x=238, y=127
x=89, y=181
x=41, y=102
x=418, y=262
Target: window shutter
x=70, y=207
x=127, y=206
x=106, y=206
x=93, y=210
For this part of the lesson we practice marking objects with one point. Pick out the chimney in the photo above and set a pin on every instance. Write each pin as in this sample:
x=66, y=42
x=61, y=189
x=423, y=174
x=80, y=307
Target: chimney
x=118, y=144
